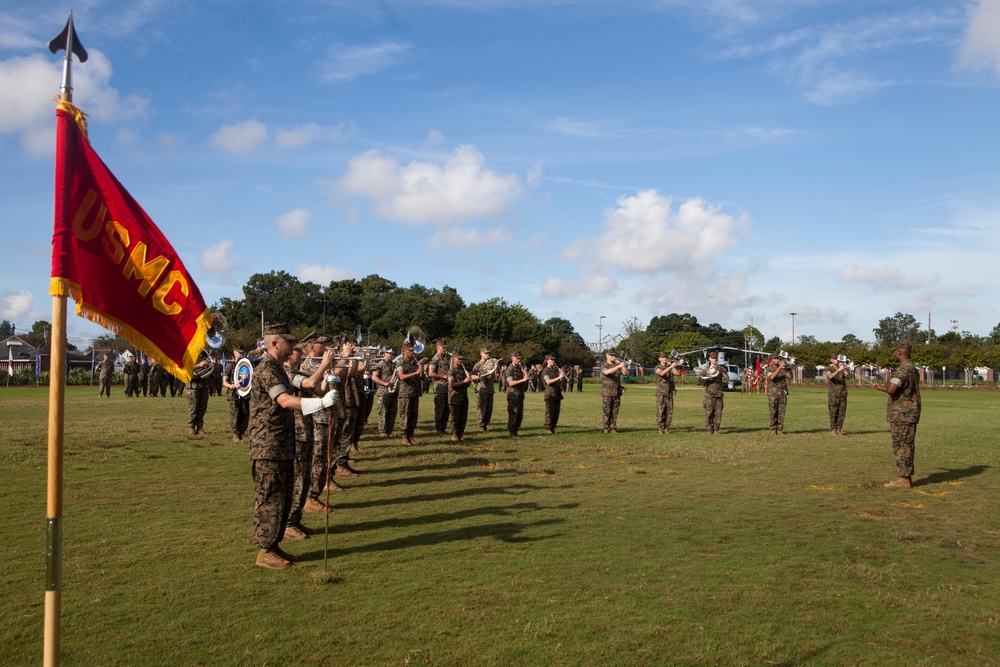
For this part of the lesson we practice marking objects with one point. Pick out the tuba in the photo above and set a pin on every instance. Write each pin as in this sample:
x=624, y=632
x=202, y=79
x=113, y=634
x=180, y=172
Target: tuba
x=216, y=334
x=415, y=337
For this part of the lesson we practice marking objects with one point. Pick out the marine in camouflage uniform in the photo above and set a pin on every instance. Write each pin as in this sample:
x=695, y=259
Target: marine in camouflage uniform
x=438, y=371
x=388, y=401
x=552, y=378
x=611, y=390
x=131, y=373
x=301, y=453
x=665, y=390
x=197, y=395
x=350, y=389
x=777, y=393
x=105, y=373
x=272, y=448
x=409, y=371
x=484, y=392
x=836, y=398
x=144, y=377
x=903, y=413
x=517, y=378
x=458, y=397
x=155, y=378
x=324, y=430
x=239, y=406
x=712, y=401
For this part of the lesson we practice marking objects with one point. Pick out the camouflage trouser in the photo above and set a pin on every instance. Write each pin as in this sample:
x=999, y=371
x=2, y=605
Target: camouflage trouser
x=903, y=436
x=272, y=483
x=345, y=436
x=611, y=405
x=459, y=417
x=197, y=405
x=408, y=410
x=441, y=408
x=105, y=387
x=300, y=485
x=515, y=410
x=239, y=415
x=368, y=401
x=713, y=412
x=317, y=463
x=388, y=405
x=552, y=406
x=132, y=385
x=664, y=410
x=484, y=407
x=144, y=384
x=359, y=426
x=837, y=403
x=777, y=401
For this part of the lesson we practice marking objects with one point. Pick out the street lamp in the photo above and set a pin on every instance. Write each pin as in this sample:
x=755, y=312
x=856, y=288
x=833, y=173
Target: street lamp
x=793, y=327
x=600, y=331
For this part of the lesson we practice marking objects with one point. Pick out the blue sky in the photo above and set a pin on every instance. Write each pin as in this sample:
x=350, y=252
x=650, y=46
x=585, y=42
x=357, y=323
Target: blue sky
x=736, y=159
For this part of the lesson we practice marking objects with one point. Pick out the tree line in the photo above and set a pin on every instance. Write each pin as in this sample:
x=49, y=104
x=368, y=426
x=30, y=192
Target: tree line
x=386, y=311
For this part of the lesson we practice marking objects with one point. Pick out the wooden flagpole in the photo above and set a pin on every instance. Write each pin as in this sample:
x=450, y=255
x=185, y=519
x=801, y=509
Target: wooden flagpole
x=67, y=40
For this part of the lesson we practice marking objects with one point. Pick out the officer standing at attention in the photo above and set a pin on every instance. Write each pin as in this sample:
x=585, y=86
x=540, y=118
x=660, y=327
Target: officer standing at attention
x=272, y=445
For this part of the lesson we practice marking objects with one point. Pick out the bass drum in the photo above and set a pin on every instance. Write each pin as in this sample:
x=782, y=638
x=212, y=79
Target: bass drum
x=243, y=377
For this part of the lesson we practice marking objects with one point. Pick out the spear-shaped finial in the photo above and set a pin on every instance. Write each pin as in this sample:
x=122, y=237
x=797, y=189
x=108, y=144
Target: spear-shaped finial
x=68, y=40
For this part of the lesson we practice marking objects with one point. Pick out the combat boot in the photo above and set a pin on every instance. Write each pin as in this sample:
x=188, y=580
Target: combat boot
x=272, y=560
x=314, y=505
x=333, y=487
x=287, y=556
x=900, y=483
x=293, y=532
x=344, y=470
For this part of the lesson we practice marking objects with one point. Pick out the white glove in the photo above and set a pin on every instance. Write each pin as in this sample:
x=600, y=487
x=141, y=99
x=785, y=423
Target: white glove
x=311, y=405
x=330, y=399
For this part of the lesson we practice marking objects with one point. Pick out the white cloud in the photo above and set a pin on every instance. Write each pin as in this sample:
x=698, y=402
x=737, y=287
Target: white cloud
x=319, y=274
x=467, y=239
x=885, y=277
x=294, y=224
x=15, y=304
x=240, y=138
x=306, y=134
x=28, y=83
x=347, y=63
x=215, y=258
x=585, y=129
x=645, y=235
x=453, y=190
x=836, y=64
x=592, y=286
x=981, y=47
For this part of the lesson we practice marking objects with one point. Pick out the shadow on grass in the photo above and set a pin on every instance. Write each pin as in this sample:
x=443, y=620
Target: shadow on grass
x=951, y=474
x=430, y=479
x=441, y=517
x=505, y=532
x=512, y=490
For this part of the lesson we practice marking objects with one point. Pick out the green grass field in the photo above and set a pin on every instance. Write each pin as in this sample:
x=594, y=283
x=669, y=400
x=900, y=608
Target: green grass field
x=579, y=548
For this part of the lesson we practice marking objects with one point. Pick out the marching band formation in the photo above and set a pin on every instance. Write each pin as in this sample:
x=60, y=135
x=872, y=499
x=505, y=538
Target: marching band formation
x=303, y=405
